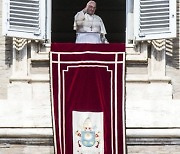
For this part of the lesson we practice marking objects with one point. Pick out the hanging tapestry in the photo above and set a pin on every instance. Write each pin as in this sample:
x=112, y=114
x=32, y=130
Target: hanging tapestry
x=87, y=88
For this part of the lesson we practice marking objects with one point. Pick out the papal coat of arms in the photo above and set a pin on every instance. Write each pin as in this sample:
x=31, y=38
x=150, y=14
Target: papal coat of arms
x=88, y=138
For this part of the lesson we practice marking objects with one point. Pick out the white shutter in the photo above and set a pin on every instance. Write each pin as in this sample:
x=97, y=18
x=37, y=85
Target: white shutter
x=24, y=19
x=129, y=22
x=154, y=19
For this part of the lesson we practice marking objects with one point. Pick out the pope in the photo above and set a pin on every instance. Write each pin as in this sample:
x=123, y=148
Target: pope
x=89, y=26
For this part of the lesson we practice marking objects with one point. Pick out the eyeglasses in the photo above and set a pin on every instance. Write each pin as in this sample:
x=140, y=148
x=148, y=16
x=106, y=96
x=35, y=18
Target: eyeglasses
x=92, y=7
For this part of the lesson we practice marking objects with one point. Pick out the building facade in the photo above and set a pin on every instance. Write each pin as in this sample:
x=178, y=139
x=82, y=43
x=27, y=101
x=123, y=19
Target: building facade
x=152, y=78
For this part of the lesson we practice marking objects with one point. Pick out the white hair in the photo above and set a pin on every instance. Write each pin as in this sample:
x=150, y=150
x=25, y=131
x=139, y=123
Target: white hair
x=91, y=2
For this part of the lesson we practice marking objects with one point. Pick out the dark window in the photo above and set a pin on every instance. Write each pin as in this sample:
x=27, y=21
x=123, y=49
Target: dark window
x=112, y=12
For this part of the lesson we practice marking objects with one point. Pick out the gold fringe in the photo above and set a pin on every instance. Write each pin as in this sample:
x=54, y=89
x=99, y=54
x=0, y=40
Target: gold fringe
x=19, y=43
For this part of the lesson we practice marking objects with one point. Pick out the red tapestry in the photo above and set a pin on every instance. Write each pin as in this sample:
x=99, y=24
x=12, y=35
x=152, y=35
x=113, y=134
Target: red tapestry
x=87, y=87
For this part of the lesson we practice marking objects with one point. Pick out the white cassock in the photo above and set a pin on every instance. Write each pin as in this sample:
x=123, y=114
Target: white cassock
x=89, y=28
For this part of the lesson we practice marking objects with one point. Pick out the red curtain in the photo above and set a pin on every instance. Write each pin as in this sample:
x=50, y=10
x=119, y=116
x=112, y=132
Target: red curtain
x=88, y=81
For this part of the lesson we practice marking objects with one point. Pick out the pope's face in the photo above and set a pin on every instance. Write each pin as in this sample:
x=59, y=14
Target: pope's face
x=91, y=8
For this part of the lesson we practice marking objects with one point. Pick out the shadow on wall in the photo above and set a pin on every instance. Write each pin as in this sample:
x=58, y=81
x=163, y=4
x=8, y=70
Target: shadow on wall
x=172, y=53
x=6, y=58
x=8, y=51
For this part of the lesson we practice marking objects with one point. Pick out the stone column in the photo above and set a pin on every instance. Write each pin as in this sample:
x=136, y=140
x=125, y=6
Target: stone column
x=157, y=61
x=160, y=86
x=19, y=87
x=20, y=58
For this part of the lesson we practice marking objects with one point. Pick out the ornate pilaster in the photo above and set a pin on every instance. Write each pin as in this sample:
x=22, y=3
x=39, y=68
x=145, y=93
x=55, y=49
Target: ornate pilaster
x=157, y=63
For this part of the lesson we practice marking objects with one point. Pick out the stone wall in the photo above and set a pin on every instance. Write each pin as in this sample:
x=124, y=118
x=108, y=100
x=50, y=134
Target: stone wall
x=5, y=65
x=173, y=67
x=25, y=149
x=5, y=60
x=36, y=149
x=176, y=52
x=166, y=149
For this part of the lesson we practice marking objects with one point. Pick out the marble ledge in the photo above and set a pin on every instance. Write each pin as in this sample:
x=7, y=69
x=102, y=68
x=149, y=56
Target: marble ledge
x=147, y=79
x=153, y=132
x=30, y=79
x=26, y=132
x=41, y=56
x=136, y=58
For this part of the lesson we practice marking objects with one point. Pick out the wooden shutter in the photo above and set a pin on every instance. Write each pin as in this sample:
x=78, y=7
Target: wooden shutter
x=24, y=19
x=154, y=19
